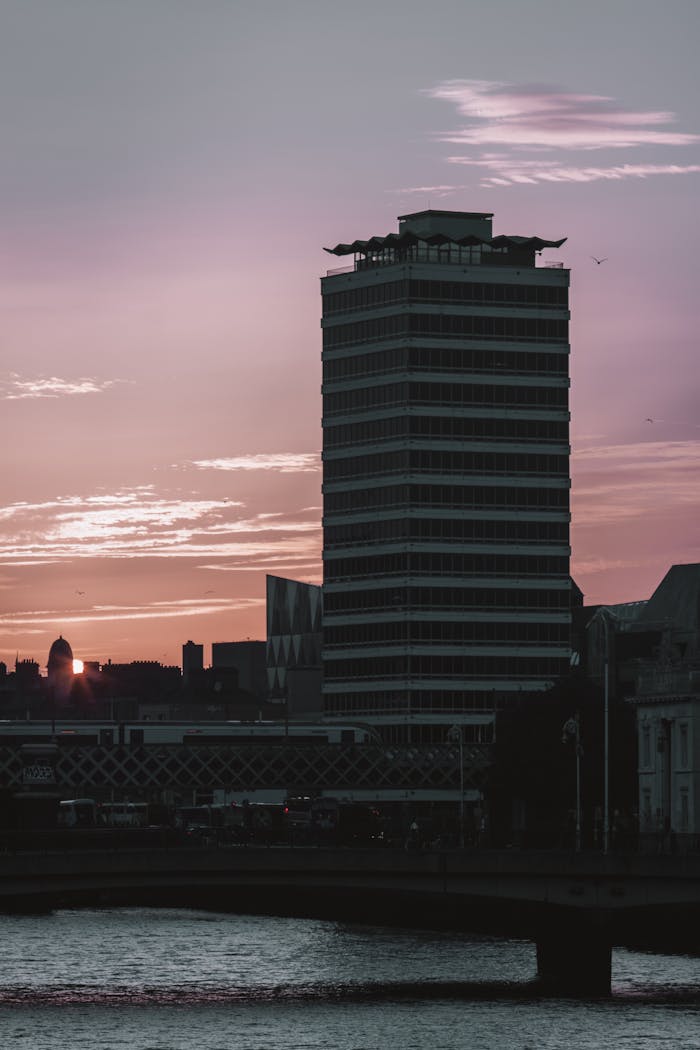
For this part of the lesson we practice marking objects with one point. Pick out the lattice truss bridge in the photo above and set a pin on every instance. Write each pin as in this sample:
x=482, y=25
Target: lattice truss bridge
x=84, y=771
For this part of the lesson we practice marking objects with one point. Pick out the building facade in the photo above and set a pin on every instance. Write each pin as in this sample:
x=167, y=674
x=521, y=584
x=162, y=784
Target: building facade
x=248, y=660
x=668, y=727
x=667, y=703
x=294, y=645
x=445, y=474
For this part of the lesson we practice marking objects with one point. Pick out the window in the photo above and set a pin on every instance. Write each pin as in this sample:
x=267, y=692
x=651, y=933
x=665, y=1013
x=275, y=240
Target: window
x=450, y=359
x=646, y=810
x=683, y=744
x=447, y=326
x=464, y=292
x=440, y=426
x=442, y=666
x=427, y=563
x=646, y=746
x=447, y=530
x=431, y=461
x=398, y=599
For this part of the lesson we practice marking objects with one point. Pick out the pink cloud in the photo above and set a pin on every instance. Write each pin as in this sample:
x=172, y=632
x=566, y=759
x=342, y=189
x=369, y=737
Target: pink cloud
x=512, y=171
x=445, y=190
x=18, y=388
x=285, y=462
x=141, y=523
x=541, y=115
x=18, y=621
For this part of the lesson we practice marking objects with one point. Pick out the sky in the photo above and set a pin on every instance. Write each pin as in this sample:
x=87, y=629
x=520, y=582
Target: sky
x=170, y=173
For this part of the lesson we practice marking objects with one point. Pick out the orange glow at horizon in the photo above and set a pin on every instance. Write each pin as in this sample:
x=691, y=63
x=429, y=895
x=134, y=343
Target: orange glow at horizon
x=152, y=484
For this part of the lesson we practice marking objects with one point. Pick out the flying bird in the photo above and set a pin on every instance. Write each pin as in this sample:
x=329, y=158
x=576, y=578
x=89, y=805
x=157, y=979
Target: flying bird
x=79, y=592
x=599, y=261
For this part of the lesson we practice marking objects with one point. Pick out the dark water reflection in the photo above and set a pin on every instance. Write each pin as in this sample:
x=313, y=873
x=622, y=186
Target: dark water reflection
x=172, y=980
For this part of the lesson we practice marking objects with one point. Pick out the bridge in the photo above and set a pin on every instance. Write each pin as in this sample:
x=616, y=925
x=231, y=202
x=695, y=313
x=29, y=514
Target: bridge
x=148, y=771
x=575, y=907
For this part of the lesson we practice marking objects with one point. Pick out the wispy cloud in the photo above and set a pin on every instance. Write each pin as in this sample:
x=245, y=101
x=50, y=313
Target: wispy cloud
x=598, y=564
x=546, y=122
x=284, y=462
x=16, y=388
x=542, y=115
x=278, y=561
x=511, y=170
x=147, y=611
x=141, y=523
x=619, y=483
x=444, y=190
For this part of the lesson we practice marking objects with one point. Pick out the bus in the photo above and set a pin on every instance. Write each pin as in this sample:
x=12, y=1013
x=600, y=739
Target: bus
x=77, y=813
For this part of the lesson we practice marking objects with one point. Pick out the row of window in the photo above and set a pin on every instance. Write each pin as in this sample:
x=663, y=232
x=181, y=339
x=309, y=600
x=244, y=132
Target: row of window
x=420, y=252
x=476, y=293
x=483, y=497
x=444, y=394
x=445, y=359
x=402, y=600
x=444, y=667
x=449, y=254
x=396, y=326
x=426, y=563
x=455, y=530
x=390, y=701
x=440, y=462
x=447, y=632
x=664, y=738
x=452, y=427
x=411, y=735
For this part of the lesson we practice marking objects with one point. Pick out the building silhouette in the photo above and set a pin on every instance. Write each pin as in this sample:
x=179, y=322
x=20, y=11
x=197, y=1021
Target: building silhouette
x=294, y=641
x=192, y=660
x=247, y=659
x=60, y=670
x=445, y=475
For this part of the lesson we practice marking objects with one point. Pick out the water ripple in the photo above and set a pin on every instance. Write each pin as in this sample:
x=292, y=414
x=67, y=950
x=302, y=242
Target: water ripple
x=328, y=992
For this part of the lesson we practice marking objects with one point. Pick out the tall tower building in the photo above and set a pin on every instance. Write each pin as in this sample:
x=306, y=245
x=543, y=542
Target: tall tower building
x=445, y=475
x=192, y=660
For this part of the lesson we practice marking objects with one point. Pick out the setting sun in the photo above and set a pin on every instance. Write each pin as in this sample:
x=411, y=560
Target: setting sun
x=77, y=667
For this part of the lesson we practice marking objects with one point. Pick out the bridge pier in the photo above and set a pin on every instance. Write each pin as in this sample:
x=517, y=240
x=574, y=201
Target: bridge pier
x=575, y=956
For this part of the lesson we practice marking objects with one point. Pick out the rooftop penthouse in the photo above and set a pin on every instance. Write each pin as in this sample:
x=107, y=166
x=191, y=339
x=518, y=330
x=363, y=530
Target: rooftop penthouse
x=449, y=237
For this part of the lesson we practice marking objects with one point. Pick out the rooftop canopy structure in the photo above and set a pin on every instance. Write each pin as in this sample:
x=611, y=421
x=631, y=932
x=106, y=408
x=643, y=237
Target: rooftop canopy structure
x=445, y=236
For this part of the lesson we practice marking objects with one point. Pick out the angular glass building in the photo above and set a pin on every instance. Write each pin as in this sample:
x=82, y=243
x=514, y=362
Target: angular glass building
x=445, y=474
x=293, y=631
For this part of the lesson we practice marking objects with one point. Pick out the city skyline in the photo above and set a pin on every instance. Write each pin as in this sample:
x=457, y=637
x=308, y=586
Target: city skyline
x=171, y=177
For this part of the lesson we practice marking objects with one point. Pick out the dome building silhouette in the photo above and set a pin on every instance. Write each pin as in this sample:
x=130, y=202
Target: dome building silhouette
x=60, y=669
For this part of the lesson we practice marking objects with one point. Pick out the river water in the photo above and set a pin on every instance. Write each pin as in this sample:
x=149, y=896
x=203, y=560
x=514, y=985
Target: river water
x=151, y=979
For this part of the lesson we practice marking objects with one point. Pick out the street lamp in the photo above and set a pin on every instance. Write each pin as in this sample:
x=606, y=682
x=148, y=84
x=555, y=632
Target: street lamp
x=607, y=620
x=572, y=731
x=455, y=737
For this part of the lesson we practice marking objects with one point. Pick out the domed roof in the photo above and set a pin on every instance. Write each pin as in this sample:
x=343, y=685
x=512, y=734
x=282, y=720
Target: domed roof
x=60, y=658
x=60, y=651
